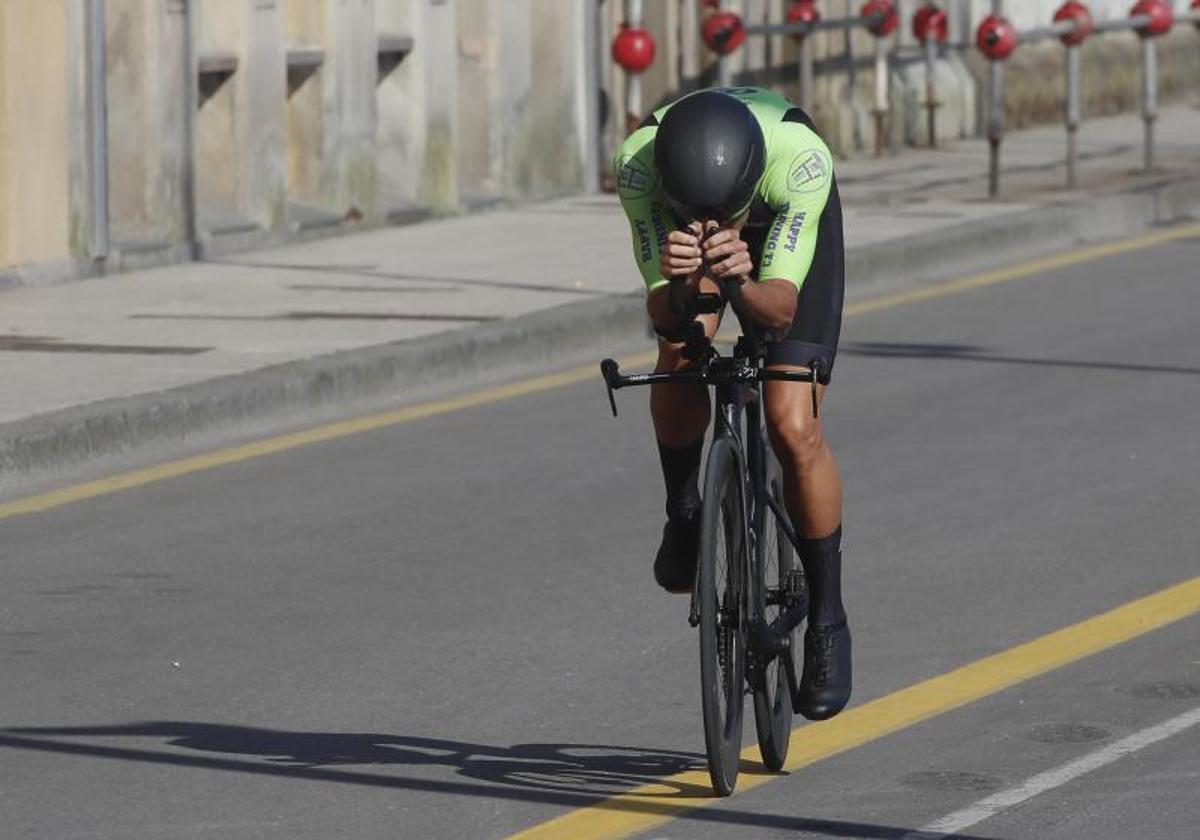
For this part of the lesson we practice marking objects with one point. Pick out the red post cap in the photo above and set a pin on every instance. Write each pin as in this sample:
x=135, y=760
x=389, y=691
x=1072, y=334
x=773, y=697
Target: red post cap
x=805, y=11
x=931, y=22
x=996, y=38
x=1196, y=8
x=633, y=48
x=887, y=25
x=1078, y=13
x=723, y=32
x=1162, y=17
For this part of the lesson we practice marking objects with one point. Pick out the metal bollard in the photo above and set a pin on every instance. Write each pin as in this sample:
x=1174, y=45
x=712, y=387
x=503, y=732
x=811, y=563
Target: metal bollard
x=1078, y=15
x=1154, y=19
x=633, y=49
x=931, y=27
x=723, y=32
x=1150, y=19
x=804, y=13
x=996, y=39
x=881, y=19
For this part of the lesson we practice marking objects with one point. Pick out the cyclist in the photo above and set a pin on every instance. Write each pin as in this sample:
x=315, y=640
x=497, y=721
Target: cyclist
x=735, y=183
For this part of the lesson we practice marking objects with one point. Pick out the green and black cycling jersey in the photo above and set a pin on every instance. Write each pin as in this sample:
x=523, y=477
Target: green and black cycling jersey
x=789, y=199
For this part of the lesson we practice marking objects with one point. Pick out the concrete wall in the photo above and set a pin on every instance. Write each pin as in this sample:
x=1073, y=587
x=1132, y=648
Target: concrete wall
x=417, y=129
x=35, y=155
x=146, y=120
x=308, y=113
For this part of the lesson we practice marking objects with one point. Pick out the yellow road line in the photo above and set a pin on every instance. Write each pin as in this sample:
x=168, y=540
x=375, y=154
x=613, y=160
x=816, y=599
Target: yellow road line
x=281, y=443
x=268, y=446
x=1025, y=269
x=651, y=805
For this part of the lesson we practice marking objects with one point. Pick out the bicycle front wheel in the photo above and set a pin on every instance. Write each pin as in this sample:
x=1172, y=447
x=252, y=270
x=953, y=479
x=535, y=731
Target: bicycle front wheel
x=720, y=584
x=778, y=584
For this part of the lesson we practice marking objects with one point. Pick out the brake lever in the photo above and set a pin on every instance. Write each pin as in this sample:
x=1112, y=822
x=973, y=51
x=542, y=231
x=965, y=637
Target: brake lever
x=612, y=380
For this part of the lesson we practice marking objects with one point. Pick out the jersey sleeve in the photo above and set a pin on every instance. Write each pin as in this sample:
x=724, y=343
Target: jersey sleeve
x=796, y=187
x=641, y=199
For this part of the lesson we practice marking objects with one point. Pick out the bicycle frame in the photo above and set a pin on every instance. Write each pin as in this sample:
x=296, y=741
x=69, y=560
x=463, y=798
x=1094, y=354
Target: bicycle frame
x=738, y=380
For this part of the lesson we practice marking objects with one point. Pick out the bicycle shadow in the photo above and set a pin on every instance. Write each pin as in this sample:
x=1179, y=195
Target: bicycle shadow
x=570, y=775
x=595, y=770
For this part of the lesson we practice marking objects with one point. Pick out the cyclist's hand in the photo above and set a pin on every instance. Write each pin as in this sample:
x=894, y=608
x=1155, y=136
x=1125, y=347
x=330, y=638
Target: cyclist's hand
x=681, y=255
x=727, y=255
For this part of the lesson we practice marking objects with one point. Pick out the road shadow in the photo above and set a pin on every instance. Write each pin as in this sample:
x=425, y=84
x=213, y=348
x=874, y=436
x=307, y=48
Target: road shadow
x=567, y=775
x=973, y=353
x=451, y=282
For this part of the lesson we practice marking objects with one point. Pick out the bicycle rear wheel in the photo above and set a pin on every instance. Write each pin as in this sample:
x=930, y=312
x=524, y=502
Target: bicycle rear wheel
x=720, y=601
x=778, y=570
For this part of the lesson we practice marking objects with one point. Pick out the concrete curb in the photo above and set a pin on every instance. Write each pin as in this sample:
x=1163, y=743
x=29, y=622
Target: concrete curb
x=407, y=371
x=987, y=243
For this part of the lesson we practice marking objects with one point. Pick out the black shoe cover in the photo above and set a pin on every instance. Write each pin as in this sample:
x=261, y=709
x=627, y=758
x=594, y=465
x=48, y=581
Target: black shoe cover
x=675, y=564
x=825, y=685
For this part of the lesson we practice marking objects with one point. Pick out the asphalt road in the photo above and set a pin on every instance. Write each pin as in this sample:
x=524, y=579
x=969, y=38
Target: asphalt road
x=448, y=628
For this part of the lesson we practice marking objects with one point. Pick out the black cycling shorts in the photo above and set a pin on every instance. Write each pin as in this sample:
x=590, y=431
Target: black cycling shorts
x=817, y=326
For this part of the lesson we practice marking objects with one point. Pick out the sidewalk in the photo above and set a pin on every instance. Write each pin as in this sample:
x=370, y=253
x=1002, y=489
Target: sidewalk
x=161, y=355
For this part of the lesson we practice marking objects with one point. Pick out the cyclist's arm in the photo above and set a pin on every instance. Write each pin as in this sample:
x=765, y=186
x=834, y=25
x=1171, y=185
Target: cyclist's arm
x=649, y=224
x=797, y=187
x=770, y=303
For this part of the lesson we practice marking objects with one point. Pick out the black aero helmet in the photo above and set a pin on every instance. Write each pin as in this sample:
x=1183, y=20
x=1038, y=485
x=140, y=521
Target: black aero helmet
x=709, y=152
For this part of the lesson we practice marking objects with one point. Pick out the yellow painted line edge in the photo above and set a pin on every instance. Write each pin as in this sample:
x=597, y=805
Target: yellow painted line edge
x=651, y=805
x=281, y=443
x=1054, y=262
x=174, y=469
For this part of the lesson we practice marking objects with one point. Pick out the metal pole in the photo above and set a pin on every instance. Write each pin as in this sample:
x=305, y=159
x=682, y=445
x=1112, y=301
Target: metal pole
x=881, y=95
x=689, y=33
x=995, y=125
x=191, y=105
x=1073, y=115
x=931, y=103
x=725, y=66
x=593, y=89
x=633, y=81
x=996, y=121
x=1149, y=95
x=98, y=100
x=806, y=75
x=848, y=41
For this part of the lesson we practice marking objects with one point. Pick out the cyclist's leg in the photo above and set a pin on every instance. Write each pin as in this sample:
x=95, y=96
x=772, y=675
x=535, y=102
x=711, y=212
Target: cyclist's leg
x=680, y=413
x=812, y=491
x=812, y=483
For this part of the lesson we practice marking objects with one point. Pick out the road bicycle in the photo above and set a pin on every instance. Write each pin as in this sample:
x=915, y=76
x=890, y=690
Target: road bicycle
x=749, y=595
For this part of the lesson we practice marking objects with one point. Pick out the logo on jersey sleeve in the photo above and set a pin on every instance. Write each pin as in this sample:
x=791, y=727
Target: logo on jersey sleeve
x=810, y=172
x=633, y=178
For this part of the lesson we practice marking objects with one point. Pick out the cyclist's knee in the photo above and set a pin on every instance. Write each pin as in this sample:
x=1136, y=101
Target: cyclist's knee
x=796, y=435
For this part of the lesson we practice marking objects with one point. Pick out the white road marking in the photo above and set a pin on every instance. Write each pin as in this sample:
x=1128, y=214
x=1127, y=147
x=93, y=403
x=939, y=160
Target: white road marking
x=950, y=825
